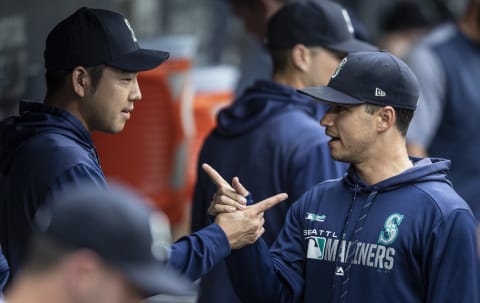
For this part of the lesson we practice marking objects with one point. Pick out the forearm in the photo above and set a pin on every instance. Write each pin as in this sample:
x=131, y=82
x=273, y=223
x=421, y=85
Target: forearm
x=254, y=276
x=197, y=254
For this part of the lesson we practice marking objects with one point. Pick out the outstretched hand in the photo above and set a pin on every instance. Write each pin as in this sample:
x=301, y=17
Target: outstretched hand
x=227, y=198
x=241, y=227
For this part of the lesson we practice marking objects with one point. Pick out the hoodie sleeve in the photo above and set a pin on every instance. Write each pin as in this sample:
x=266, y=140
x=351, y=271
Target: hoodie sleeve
x=76, y=176
x=197, y=254
x=4, y=272
x=452, y=269
x=260, y=275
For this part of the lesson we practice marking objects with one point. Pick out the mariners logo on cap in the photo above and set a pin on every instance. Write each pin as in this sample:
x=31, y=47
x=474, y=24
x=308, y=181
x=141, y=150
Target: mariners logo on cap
x=339, y=67
x=131, y=30
x=348, y=21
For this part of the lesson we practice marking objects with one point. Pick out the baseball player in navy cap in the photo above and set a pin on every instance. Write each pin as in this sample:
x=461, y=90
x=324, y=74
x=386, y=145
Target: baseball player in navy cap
x=392, y=229
x=257, y=137
x=92, y=59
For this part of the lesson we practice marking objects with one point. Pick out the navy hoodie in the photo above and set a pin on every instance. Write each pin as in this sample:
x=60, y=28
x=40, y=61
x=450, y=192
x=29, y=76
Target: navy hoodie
x=46, y=150
x=42, y=151
x=272, y=140
x=409, y=238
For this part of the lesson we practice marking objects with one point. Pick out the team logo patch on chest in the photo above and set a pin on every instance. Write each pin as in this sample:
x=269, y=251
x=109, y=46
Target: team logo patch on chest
x=315, y=218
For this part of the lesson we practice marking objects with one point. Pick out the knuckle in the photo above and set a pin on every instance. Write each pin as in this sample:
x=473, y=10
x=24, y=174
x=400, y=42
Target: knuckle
x=223, y=199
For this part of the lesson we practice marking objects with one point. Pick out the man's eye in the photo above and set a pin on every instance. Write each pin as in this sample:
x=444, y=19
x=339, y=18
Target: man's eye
x=337, y=109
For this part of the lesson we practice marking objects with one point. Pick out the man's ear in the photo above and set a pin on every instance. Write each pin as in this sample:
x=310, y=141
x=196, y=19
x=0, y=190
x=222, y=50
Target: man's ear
x=80, y=272
x=386, y=118
x=300, y=57
x=80, y=81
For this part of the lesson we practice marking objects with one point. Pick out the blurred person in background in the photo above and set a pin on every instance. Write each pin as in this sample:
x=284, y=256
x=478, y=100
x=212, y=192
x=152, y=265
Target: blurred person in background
x=447, y=64
x=271, y=136
x=95, y=245
x=401, y=25
x=255, y=60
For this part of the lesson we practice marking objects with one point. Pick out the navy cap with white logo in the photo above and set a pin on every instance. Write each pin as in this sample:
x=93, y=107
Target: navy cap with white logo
x=314, y=23
x=118, y=226
x=92, y=37
x=377, y=78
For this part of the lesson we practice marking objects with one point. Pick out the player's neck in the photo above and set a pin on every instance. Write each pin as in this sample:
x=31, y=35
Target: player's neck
x=289, y=79
x=387, y=162
x=70, y=104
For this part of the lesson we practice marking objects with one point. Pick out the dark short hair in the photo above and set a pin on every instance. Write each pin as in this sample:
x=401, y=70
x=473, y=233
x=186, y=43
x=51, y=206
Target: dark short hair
x=404, y=116
x=280, y=59
x=55, y=79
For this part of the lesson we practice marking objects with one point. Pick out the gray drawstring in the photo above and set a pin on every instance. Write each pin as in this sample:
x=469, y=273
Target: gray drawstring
x=348, y=260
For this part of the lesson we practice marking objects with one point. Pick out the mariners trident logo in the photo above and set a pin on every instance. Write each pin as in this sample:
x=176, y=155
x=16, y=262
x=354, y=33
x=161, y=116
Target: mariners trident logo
x=389, y=234
x=134, y=38
x=339, y=67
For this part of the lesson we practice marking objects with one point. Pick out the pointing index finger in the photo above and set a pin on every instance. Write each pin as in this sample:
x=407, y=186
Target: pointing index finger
x=215, y=176
x=269, y=202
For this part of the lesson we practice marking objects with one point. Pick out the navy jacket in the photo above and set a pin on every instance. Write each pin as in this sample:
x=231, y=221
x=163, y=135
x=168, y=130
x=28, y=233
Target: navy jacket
x=272, y=140
x=410, y=238
x=457, y=134
x=447, y=65
x=42, y=151
x=46, y=150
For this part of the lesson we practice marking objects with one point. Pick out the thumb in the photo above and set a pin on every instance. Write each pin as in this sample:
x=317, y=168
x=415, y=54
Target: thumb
x=239, y=188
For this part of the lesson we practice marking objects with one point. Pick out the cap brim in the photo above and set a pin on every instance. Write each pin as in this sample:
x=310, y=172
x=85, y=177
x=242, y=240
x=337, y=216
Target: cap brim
x=139, y=60
x=156, y=279
x=329, y=95
x=352, y=46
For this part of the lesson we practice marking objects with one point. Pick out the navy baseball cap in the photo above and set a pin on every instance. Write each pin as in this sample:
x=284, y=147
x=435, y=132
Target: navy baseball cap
x=314, y=23
x=92, y=37
x=119, y=227
x=378, y=78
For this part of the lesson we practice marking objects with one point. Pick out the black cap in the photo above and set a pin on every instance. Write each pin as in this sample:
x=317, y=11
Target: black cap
x=370, y=77
x=118, y=226
x=92, y=37
x=314, y=23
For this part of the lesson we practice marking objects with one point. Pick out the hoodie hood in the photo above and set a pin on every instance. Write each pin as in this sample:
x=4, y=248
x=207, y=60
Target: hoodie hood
x=261, y=102
x=36, y=118
x=423, y=170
